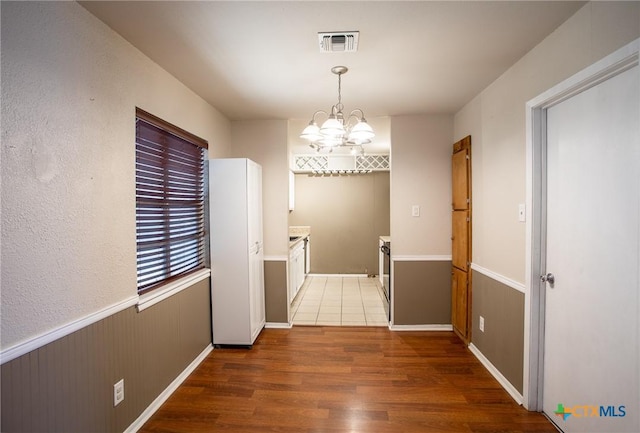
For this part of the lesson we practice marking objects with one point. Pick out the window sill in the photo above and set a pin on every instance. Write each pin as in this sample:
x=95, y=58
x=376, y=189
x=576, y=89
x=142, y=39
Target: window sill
x=152, y=298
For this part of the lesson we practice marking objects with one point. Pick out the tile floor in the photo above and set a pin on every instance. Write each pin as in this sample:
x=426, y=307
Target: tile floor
x=339, y=301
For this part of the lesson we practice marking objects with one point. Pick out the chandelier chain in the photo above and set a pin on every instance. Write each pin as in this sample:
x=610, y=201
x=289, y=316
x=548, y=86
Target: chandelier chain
x=339, y=106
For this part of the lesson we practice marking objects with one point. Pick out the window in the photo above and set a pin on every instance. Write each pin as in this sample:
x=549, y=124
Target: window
x=170, y=195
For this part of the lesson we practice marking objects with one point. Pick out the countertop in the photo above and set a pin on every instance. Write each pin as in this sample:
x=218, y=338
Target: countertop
x=301, y=232
x=385, y=238
x=295, y=242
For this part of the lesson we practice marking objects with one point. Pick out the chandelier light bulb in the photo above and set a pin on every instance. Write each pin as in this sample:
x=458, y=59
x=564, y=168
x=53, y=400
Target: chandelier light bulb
x=311, y=132
x=361, y=132
x=332, y=127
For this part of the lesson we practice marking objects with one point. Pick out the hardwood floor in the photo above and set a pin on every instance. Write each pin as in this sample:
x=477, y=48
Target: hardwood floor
x=344, y=379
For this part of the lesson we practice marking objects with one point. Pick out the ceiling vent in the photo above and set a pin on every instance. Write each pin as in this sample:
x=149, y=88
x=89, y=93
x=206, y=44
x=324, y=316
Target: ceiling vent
x=338, y=42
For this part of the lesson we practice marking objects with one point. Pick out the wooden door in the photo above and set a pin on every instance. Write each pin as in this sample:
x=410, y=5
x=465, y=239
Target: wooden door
x=461, y=239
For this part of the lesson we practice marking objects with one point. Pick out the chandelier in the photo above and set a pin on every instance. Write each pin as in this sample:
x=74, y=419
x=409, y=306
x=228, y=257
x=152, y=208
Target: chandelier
x=337, y=131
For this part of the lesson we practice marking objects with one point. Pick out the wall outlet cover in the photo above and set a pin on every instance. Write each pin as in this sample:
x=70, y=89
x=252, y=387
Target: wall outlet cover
x=118, y=392
x=481, y=325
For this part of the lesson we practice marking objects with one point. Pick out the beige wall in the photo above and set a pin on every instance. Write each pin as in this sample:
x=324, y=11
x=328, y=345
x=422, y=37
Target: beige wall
x=70, y=86
x=265, y=142
x=496, y=121
x=421, y=148
x=347, y=214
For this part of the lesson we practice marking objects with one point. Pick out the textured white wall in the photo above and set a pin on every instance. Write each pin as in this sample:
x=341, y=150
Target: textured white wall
x=495, y=119
x=421, y=148
x=70, y=86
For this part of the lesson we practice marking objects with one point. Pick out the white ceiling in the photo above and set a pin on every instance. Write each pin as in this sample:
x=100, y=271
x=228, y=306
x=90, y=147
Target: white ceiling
x=260, y=60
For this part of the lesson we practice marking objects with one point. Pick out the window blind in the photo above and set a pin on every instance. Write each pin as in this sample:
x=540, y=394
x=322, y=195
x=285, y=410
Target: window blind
x=170, y=213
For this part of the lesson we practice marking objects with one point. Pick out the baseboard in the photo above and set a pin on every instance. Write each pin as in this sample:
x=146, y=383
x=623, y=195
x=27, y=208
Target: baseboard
x=164, y=395
x=278, y=325
x=513, y=392
x=421, y=258
x=276, y=258
x=421, y=327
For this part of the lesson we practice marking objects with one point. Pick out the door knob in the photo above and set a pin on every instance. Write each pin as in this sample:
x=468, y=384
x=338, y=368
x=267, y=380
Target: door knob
x=549, y=278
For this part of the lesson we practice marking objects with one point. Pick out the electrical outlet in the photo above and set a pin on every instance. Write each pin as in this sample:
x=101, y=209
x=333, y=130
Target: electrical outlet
x=481, y=323
x=415, y=210
x=118, y=392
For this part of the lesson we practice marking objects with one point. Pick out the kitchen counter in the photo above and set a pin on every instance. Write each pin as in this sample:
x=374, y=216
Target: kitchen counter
x=296, y=241
x=385, y=238
x=299, y=258
x=299, y=233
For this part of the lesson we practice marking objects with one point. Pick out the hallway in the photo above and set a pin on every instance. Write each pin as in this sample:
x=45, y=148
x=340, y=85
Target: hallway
x=339, y=301
x=344, y=380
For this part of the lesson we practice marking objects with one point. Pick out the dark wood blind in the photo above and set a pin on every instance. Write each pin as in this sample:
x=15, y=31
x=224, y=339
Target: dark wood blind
x=170, y=226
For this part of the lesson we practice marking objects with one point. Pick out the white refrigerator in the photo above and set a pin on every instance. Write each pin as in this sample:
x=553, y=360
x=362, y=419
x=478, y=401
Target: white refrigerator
x=236, y=245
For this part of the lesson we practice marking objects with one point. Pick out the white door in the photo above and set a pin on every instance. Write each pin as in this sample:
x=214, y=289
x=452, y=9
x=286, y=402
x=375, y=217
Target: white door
x=254, y=203
x=256, y=251
x=591, y=338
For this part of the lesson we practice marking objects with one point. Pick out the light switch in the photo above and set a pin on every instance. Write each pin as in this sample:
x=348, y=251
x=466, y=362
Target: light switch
x=521, y=212
x=415, y=210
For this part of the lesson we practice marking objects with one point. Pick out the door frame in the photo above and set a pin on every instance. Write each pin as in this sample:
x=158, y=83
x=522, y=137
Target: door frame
x=534, y=298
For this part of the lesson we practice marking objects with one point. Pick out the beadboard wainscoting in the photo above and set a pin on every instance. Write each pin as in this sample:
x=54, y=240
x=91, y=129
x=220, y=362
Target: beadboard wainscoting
x=67, y=385
x=421, y=292
x=500, y=302
x=275, y=292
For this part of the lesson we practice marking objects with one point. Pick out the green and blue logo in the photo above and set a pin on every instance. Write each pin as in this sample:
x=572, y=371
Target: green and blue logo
x=589, y=411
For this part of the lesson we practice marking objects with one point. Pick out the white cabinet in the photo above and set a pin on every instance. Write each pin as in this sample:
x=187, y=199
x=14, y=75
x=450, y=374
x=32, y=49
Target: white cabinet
x=380, y=260
x=300, y=270
x=307, y=256
x=237, y=257
x=301, y=273
x=296, y=269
